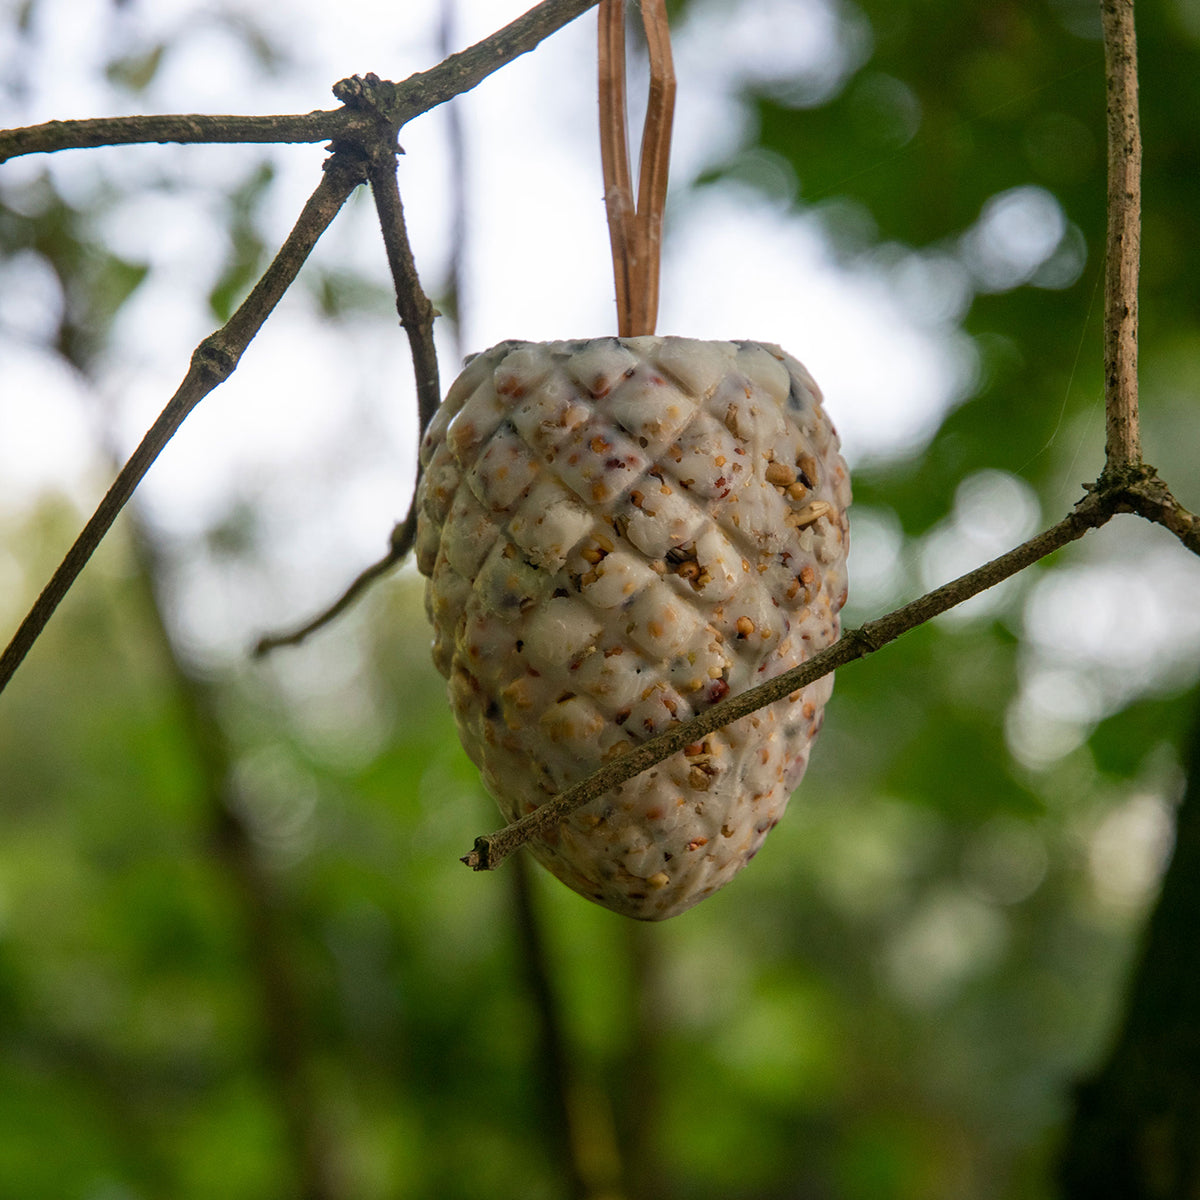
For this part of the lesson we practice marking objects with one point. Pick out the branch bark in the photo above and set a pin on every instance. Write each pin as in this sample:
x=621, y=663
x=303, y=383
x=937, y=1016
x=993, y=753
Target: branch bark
x=1123, y=242
x=213, y=361
x=413, y=306
x=463, y=71
x=184, y=128
x=1138, y=489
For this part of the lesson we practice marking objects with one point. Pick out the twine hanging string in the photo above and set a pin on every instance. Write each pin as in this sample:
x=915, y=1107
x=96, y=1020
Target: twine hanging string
x=635, y=229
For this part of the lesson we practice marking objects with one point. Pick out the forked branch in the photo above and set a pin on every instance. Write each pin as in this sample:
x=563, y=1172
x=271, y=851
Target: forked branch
x=213, y=362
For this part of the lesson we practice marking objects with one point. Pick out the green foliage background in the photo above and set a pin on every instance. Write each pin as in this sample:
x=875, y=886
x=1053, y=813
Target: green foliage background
x=894, y=1002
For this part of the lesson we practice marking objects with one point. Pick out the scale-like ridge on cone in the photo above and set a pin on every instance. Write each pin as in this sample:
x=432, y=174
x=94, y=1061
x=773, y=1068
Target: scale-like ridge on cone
x=618, y=533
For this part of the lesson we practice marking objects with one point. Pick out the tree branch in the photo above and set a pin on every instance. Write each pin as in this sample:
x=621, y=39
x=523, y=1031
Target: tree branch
x=212, y=363
x=399, y=544
x=1138, y=489
x=463, y=71
x=1123, y=243
x=397, y=102
x=413, y=306
x=1092, y=511
x=319, y=126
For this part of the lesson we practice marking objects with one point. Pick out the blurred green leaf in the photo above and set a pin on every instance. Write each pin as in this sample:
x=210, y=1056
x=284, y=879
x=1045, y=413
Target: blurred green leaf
x=135, y=72
x=343, y=295
x=247, y=252
x=1121, y=744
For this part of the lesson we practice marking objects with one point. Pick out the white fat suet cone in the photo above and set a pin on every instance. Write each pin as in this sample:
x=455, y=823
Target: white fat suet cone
x=618, y=533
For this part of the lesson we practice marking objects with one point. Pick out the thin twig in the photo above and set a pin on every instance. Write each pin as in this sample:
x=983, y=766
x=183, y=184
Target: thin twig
x=399, y=545
x=319, y=126
x=1123, y=441
x=1093, y=510
x=374, y=111
x=1156, y=503
x=463, y=71
x=414, y=307
x=371, y=101
x=399, y=102
x=410, y=298
x=213, y=362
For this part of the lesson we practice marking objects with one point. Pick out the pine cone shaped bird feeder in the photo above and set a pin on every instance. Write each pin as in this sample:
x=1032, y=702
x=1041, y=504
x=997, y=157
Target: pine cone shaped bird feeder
x=618, y=533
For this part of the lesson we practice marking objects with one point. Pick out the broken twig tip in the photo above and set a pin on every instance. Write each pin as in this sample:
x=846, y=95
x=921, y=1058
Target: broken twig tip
x=477, y=860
